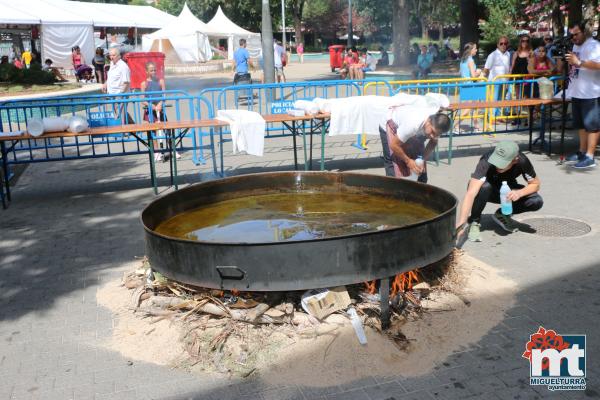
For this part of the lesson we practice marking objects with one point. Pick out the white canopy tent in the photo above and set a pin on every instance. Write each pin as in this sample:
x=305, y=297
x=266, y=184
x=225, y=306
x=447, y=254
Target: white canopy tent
x=61, y=29
x=12, y=16
x=65, y=24
x=188, y=36
x=221, y=26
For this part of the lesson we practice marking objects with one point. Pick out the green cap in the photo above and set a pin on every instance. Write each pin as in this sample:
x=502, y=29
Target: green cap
x=504, y=152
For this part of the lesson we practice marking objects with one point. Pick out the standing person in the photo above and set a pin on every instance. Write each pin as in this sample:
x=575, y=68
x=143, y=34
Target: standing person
x=503, y=163
x=520, y=63
x=414, y=52
x=403, y=140
x=78, y=62
x=540, y=63
x=12, y=55
x=468, y=69
x=26, y=58
x=119, y=75
x=242, y=62
x=550, y=48
x=300, y=51
x=153, y=84
x=278, y=57
x=118, y=79
x=584, y=89
x=99, y=62
x=496, y=64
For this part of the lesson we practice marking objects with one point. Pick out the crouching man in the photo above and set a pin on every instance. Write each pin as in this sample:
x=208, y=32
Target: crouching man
x=504, y=163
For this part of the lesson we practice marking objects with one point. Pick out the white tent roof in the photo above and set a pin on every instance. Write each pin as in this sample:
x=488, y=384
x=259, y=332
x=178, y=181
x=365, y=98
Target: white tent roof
x=223, y=25
x=99, y=14
x=48, y=12
x=81, y=13
x=188, y=36
x=11, y=15
x=138, y=16
x=183, y=25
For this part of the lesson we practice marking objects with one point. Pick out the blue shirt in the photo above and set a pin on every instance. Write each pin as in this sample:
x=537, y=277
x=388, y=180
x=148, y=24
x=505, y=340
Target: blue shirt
x=465, y=72
x=425, y=60
x=241, y=57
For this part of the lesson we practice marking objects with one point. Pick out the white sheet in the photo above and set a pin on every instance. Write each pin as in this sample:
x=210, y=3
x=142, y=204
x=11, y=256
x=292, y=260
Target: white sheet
x=57, y=41
x=364, y=114
x=247, y=130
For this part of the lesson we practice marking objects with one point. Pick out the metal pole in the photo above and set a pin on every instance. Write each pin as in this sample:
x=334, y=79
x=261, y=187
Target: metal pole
x=283, y=23
x=350, y=23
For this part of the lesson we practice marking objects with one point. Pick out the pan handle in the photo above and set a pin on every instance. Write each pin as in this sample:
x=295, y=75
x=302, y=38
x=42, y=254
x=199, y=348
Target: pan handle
x=231, y=272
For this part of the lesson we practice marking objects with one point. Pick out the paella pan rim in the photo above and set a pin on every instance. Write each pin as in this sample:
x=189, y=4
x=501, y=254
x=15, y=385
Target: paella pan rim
x=226, y=180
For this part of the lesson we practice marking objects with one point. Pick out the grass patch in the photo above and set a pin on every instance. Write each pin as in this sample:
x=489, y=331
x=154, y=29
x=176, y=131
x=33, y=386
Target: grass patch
x=12, y=89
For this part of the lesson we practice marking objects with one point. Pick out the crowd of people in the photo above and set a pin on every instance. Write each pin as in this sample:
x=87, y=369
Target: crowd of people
x=406, y=132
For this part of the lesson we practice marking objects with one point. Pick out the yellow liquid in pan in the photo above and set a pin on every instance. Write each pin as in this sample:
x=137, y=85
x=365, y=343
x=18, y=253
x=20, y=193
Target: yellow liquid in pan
x=292, y=216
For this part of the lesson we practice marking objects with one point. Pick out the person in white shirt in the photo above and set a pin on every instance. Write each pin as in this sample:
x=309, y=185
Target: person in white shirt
x=404, y=136
x=117, y=81
x=278, y=56
x=584, y=90
x=496, y=64
x=118, y=77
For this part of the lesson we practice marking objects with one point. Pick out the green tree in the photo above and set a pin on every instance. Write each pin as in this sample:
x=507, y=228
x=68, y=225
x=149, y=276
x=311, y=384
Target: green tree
x=498, y=24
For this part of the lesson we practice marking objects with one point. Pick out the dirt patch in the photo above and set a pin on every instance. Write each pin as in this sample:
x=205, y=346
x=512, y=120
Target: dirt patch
x=470, y=302
x=136, y=337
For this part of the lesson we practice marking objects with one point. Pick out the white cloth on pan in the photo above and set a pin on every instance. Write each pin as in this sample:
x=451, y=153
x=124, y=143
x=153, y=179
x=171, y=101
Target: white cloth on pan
x=365, y=114
x=247, y=130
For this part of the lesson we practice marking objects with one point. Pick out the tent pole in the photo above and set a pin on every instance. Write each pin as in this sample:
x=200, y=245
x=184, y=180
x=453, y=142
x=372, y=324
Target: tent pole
x=283, y=24
x=197, y=46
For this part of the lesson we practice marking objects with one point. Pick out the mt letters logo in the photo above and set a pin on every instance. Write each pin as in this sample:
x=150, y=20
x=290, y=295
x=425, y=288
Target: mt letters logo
x=556, y=361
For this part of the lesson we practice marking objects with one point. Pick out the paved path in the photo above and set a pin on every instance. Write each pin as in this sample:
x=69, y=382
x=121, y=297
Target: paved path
x=74, y=226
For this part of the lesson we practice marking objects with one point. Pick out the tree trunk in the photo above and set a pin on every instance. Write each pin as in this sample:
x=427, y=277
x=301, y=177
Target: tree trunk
x=401, y=38
x=441, y=35
x=575, y=11
x=298, y=30
x=424, y=29
x=558, y=22
x=468, y=22
x=297, y=9
x=267, y=43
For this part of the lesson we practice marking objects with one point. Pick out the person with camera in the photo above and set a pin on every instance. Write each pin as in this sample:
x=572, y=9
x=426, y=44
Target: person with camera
x=584, y=90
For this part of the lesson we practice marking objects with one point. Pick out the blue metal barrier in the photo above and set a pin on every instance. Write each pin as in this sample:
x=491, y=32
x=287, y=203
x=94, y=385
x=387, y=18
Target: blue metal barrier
x=15, y=114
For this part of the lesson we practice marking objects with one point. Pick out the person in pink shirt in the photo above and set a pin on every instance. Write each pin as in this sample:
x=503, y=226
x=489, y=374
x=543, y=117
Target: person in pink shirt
x=300, y=51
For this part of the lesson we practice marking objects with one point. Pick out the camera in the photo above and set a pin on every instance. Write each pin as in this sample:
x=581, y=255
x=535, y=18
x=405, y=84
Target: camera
x=562, y=46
